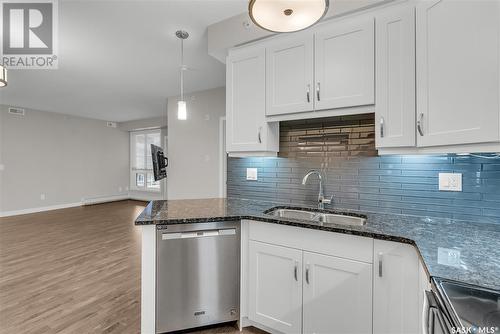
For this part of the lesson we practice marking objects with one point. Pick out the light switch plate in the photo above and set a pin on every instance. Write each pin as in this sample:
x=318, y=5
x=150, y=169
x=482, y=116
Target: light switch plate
x=450, y=181
x=252, y=174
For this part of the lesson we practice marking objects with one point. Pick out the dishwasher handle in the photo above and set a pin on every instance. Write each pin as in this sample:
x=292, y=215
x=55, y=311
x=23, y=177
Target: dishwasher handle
x=198, y=234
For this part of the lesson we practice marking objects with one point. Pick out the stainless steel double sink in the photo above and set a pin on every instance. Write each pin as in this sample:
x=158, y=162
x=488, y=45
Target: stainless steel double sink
x=321, y=218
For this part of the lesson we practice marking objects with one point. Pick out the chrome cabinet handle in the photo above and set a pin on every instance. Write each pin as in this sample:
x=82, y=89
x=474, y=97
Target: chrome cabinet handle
x=308, y=93
x=381, y=127
x=259, y=136
x=420, y=125
x=326, y=200
x=295, y=271
x=307, y=274
x=318, y=87
x=380, y=264
x=425, y=314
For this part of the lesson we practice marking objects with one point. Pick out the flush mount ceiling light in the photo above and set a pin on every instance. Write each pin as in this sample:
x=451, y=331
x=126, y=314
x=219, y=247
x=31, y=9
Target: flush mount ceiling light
x=287, y=15
x=3, y=76
x=181, y=104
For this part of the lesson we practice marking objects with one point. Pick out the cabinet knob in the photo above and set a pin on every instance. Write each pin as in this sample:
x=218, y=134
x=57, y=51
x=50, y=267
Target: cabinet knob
x=382, y=127
x=259, y=138
x=318, y=88
x=307, y=274
x=308, y=93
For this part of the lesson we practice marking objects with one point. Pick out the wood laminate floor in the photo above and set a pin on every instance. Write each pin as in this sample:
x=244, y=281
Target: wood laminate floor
x=74, y=270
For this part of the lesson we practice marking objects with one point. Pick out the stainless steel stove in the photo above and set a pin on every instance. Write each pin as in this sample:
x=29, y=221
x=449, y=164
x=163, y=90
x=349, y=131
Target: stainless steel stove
x=456, y=308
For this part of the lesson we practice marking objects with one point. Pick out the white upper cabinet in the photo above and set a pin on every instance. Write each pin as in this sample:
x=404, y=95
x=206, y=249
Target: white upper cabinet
x=435, y=65
x=344, y=64
x=289, y=75
x=247, y=129
x=457, y=48
x=396, y=289
x=337, y=295
x=395, y=77
x=275, y=287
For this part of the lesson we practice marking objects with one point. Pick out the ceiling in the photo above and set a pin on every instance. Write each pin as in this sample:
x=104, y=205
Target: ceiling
x=119, y=60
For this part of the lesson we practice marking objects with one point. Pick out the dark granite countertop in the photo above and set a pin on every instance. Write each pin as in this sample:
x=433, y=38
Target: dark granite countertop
x=478, y=244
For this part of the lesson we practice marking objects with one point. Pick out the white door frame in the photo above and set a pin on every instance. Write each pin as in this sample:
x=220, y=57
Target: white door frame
x=222, y=158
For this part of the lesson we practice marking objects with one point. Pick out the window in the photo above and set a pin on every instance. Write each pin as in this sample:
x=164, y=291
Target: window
x=141, y=163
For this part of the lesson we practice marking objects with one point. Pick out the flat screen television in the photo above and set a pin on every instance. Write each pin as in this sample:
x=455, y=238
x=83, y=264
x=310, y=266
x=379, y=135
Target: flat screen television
x=160, y=162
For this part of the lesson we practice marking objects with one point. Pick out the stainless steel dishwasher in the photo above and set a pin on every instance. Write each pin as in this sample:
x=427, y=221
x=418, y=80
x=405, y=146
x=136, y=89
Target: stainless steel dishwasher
x=197, y=275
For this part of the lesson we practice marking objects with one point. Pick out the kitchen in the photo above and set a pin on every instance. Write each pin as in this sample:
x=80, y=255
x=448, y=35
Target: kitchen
x=308, y=98
x=328, y=167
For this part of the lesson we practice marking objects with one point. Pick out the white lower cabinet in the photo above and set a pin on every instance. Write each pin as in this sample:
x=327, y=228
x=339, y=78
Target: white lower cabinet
x=308, y=281
x=294, y=287
x=275, y=287
x=396, y=289
x=337, y=295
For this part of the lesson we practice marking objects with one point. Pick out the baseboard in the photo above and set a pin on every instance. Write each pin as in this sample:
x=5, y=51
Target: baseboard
x=39, y=209
x=142, y=199
x=84, y=202
x=105, y=199
x=145, y=196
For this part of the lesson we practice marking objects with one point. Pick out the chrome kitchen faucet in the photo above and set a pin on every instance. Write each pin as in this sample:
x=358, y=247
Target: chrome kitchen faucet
x=321, y=196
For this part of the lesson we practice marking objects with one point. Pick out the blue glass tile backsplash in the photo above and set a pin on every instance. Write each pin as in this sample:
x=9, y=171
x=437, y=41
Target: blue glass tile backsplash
x=344, y=149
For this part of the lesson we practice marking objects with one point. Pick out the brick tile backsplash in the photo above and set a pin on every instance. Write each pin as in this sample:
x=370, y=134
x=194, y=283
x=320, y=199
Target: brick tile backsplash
x=344, y=149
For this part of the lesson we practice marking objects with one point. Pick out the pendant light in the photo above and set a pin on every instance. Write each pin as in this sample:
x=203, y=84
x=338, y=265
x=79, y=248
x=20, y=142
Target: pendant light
x=287, y=15
x=3, y=76
x=181, y=104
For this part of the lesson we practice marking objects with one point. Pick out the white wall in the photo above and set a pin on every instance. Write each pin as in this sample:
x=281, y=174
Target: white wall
x=66, y=158
x=193, y=146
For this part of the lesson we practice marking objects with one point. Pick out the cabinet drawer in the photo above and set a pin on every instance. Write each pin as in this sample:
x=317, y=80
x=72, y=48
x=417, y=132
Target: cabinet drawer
x=329, y=243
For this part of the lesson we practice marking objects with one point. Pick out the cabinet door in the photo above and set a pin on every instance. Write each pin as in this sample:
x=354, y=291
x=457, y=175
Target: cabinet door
x=289, y=73
x=344, y=64
x=424, y=284
x=275, y=287
x=395, y=77
x=396, y=294
x=246, y=100
x=337, y=295
x=457, y=45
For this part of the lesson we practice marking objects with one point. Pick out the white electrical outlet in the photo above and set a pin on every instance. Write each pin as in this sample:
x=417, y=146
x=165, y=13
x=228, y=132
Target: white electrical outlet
x=449, y=257
x=42, y=197
x=450, y=181
x=252, y=174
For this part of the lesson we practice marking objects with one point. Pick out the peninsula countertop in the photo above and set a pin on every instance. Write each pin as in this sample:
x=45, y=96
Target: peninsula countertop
x=477, y=243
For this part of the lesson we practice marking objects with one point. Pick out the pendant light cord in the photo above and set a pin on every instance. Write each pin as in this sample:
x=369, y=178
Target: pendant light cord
x=182, y=69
